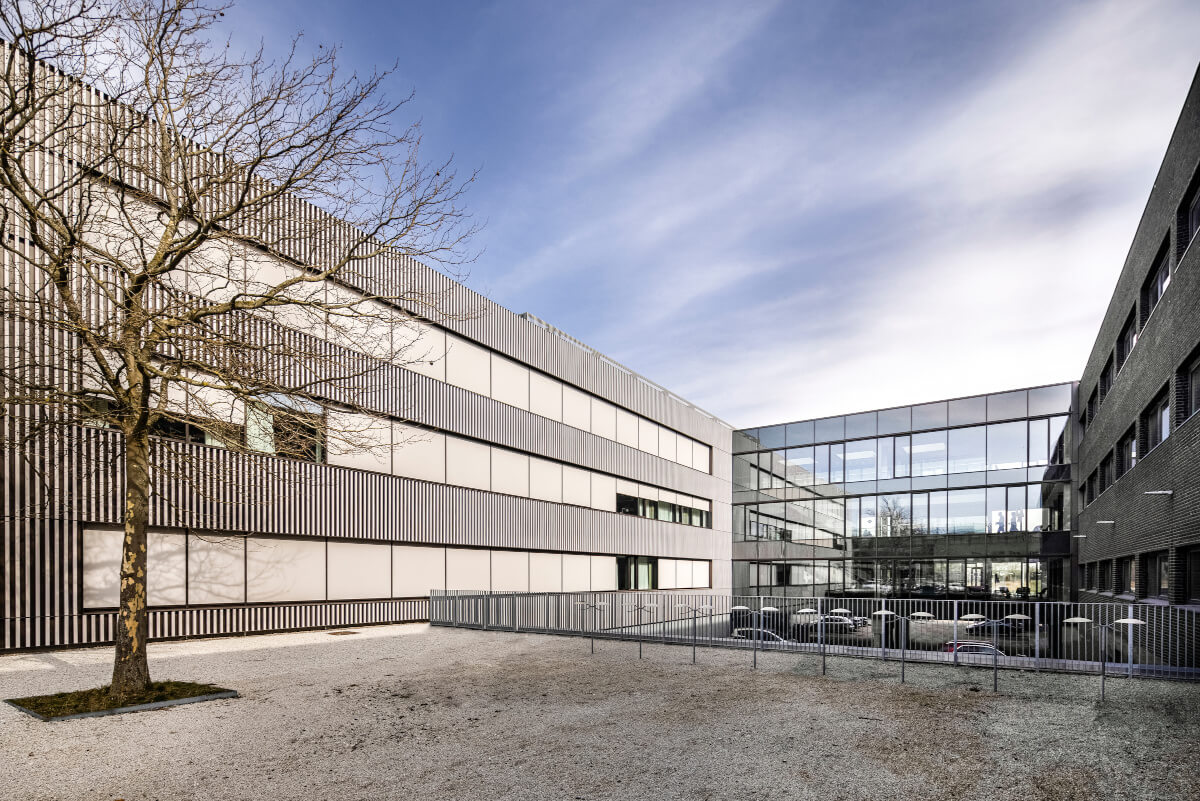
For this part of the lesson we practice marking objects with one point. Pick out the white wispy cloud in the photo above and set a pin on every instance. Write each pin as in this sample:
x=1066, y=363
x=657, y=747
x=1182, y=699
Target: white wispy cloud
x=793, y=260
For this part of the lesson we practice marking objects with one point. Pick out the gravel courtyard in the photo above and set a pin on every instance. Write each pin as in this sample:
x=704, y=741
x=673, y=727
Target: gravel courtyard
x=410, y=712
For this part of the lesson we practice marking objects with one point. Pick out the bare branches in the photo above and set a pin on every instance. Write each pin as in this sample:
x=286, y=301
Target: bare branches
x=194, y=240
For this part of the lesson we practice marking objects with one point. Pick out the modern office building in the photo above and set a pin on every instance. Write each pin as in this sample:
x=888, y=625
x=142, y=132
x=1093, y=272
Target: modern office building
x=507, y=456
x=1137, y=463
x=1087, y=491
x=961, y=498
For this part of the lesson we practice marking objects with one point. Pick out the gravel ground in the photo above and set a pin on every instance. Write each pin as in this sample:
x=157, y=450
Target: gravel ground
x=409, y=712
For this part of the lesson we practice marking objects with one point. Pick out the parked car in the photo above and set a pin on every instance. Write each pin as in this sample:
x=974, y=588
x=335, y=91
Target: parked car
x=1003, y=628
x=972, y=647
x=763, y=635
x=831, y=628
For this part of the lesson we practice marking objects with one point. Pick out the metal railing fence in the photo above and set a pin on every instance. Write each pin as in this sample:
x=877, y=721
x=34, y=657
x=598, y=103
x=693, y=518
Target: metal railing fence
x=1136, y=640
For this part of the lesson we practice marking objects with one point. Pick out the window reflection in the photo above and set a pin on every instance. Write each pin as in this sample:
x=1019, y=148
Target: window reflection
x=860, y=460
x=1006, y=446
x=929, y=453
x=967, y=449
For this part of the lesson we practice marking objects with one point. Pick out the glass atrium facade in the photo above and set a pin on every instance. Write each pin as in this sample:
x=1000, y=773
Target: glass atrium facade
x=966, y=498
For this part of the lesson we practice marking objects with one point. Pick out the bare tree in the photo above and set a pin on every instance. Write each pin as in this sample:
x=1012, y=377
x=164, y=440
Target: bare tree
x=197, y=242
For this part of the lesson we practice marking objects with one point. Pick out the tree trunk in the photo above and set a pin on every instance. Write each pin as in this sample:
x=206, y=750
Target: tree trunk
x=131, y=672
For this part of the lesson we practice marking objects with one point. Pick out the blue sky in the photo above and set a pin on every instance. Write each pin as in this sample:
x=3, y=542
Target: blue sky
x=786, y=210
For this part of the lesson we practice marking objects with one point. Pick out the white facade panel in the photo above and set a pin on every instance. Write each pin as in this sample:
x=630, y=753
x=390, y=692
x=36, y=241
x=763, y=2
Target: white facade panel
x=647, y=436
x=545, y=396
x=510, y=382
x=416, y=570
x=418, y=453
x=468, y=569
x=576, y=486
x=510, y=472
x=359, y=570
x=468, y=464
x=360, y=442
x=468, y=366
x=604, y=492
x=577, y=409
x=216, y=570
x=545, y=480
x=510, y=571
x=166, y=569
x=700, y=574
x=604, y=419
x=422, y=348
x=666, y=574
x=627, y=428
x=667, y=443
x=285, y=570
x=545, y=572
x=101, y=567
x=604, y=573
x=576, y=572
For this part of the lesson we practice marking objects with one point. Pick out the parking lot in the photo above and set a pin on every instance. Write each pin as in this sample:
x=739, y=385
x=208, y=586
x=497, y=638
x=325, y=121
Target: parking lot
x=418, y=713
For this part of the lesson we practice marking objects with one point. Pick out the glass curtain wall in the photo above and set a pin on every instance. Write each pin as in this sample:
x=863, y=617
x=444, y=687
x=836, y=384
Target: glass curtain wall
x=950, y=499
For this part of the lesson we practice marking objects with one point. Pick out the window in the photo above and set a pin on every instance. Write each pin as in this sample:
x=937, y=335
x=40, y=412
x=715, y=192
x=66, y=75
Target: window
x=1192, y=574
x=860, y=460
x=1104, y=579
x=1126, y=341
x=903, y=449
x=1006, y=445
x=968, y=449
x=929, y=453
x=1157, y=421
x=208, y=432
x=967, y=511
x=1190, y=378
x=1124, y=576
x=1106, y=378
x=1157, y=575
x=627, y=505
x=1156, y=284
x=637, y=573
x=1092, y=405
x=1194, y=217
x=1126, y=453
x=1106, y=473
x=292, y=432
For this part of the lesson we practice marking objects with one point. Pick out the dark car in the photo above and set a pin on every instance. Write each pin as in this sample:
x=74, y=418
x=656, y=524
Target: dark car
x=1002, y=629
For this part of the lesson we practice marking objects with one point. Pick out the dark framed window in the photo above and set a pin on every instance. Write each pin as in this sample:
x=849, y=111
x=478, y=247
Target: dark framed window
x=1158, y=572
x=627, y=505
x=1106, y=473
x=1106, y=378
x=1192, y=576
x=1156, y=283
x=1104, y=577
x=1156, y=421
x=637, y=573
x=1124, y=576
x=1126, y=452
x=202, y=432
x=1193, y=217
x=1190, y=379
x=1092, y=405
x=1126, y=340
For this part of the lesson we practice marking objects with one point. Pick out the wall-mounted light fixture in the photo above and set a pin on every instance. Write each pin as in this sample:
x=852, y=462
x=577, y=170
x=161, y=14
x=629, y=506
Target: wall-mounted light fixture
x=1159, y=492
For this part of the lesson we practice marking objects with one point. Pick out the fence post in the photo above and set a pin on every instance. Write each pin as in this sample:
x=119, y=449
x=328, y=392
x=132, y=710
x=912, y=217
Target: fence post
x=1037, y=637
x=821, y=632
x=515, y=627
x=956, y=633
x=487, y=610
x=1129, y=641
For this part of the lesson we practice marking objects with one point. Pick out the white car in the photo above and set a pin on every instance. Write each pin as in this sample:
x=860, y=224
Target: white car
x=763, y=635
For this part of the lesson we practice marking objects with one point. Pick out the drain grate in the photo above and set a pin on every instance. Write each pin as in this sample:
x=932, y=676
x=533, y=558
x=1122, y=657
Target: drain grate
x=336, y=633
